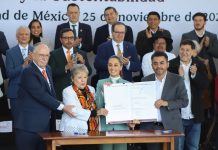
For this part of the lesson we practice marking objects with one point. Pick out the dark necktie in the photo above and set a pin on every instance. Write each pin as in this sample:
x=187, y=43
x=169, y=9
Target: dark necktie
x=74, y=31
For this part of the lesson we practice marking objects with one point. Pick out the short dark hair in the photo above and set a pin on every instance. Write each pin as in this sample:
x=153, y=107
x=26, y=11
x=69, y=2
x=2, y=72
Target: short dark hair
x=200, y=14
x=118, y=23
x=154, y=13
x=64, y=30
x=188, y=42
x=159, y=54
x=114, y=9
x=72, y=5
x=30, y=26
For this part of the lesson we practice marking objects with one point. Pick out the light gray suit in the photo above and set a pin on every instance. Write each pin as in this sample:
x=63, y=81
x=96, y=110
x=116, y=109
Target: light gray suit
x=108, y=127
x=174, y=92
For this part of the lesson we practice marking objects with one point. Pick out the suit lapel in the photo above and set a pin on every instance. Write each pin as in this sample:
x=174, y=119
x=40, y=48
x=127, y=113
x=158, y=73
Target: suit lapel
x=61, y=55
x=166, y=86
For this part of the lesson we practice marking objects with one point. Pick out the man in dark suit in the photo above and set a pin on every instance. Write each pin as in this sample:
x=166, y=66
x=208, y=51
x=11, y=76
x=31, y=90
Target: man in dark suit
x=104, y=33
x=3, y=47
x=195, y=77
x=82, y=31
x=60, y=64
x=125, y=50
x=171, y=95
x=144, y=42
x=207, y=40
x=35, y=100
x=17, y=58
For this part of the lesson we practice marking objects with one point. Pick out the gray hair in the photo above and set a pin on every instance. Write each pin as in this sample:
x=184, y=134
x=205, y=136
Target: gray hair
x=77, y=68
x=22, y=28
x=40, y=45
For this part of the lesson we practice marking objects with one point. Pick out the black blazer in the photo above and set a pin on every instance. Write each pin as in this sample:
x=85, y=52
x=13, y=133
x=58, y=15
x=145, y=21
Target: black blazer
x=85, y=33
x=3, y=47
x=198, y=84
x=61, y=78
x=102, y=34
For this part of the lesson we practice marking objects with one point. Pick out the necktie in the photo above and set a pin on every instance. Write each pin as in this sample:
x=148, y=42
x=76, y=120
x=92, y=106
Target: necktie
x=44, y=74
x=119, y=52
x=23, y=51
x=74, y=31
x=68, y=56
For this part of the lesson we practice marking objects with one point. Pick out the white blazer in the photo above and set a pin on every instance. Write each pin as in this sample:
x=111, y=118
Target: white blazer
x=77, y=124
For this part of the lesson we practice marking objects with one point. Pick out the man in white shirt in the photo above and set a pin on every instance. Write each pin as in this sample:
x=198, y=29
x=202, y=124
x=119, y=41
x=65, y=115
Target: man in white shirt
x=160, y=42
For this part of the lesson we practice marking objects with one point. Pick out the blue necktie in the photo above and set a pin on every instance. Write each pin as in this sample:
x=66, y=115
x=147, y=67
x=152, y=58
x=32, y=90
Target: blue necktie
x=23, y=51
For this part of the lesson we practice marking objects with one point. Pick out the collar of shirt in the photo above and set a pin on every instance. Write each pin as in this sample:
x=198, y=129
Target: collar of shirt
x=110, y=30
x=163, y=80
x=114, y=79
x=116, y=48
x=65, y=51
x=200, y=34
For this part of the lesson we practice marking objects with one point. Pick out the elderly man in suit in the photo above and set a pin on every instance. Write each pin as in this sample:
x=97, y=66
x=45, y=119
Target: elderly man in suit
x=17, y=58
x=171, y=95
x=194, y=74
x=117, y=46
x=82, y=32
x=35, y=100
x=144, y=42
x=104, y=33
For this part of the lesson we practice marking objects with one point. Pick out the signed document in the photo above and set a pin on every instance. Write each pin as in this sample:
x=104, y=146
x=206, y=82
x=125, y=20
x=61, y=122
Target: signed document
x=128, y=101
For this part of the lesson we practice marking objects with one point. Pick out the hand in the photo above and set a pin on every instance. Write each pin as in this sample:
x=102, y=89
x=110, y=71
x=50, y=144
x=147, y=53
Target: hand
x=206, y=41
x=148, y=33
x=181, y=71
x=102, y=112
x=206, y=62
x=160, y=103
x=69, y=65
x=77, y=42
x=125, y=60
x=80, y=58
x=193, y=69
x=68, y=110
x=132, y=123
x=26, y=62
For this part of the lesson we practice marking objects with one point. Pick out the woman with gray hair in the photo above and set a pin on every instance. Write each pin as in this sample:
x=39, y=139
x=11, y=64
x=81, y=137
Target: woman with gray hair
x=81, y=96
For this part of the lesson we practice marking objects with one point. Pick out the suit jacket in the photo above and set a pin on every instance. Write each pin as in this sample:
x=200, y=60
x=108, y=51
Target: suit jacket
x=209, y=52
x=61, y=78
x=174, y=92
x=85, y=33
x=198, y=84
x=106, y=50
x=99, y=98
x=36, y=99
x=14, y=62
x=144, y=44
x=102, y=33
x=3, y=47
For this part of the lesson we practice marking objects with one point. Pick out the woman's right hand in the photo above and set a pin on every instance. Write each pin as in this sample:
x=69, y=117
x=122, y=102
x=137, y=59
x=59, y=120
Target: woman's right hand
x=102, y=112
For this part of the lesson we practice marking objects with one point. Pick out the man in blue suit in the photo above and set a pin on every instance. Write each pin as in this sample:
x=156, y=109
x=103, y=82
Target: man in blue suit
x=82, y=31
x=117, y=46
x=17, y=58
x=36, y=99
x=104, y=33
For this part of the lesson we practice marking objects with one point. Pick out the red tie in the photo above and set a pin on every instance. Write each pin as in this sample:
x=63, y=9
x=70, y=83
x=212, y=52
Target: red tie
x=44, y=74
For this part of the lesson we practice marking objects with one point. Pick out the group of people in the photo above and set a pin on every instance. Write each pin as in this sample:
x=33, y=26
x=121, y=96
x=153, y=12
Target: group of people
x=45, y=85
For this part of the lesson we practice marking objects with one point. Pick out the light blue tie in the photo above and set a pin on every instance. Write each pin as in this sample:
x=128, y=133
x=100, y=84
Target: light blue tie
x=23, y=51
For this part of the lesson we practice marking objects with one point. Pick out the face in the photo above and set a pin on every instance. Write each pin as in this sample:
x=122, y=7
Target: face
x=199, y=23
x=185, y=53
x=114, y=67
x=153, y=22
x=119, y=33
x=67, y=39
x=160, y=65
x=110, y=16
x=80, y=79
x=73, y=14
x=160, y=45
x=36, y=29
x=23, y=36
x=41, y=56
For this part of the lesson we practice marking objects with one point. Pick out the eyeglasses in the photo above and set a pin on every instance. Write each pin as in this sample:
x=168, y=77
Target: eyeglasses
x=117, y=32
x=68, y=38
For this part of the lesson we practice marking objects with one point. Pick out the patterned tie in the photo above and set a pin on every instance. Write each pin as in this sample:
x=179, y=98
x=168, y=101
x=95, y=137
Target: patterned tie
x=74, y=31
x=68, y=56
x=119, y=52
x=44, y=74
x=23, y=51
